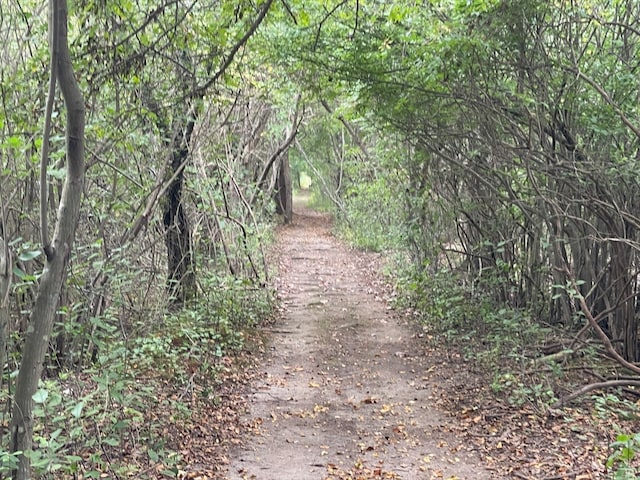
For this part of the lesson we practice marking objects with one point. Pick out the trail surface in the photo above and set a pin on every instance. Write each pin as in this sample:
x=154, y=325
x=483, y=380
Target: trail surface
x=344, y=390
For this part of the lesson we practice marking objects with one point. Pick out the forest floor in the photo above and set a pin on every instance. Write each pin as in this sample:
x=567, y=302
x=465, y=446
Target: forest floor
x=345, y=390
x=345, y=387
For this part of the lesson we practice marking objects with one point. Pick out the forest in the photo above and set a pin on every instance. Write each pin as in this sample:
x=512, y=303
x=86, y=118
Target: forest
x=148, y=150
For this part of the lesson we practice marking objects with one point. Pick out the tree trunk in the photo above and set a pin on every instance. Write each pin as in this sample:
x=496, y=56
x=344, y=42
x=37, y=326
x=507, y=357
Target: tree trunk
x=284, y=193
x=624, y=325
x=43, y=312
x=6, y=272
x=180, y=264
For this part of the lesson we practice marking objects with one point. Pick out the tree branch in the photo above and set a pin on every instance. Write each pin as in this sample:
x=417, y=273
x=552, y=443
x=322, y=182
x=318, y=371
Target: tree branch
x=595, y=386
x=297, y=119
x=227, y=62
x=352, y=132
x=54, y=29
x=605, y=96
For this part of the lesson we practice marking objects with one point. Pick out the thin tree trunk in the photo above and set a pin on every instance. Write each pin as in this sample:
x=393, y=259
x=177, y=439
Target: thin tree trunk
x=624, y=327
x=295, y=124
x=43, y=312
x=6, y=272
x=284, y=195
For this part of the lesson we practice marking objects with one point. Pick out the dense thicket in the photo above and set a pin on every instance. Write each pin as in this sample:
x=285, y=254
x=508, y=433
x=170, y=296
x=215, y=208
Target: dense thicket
x=185, y=141
x=496, y=142
x=516, y=127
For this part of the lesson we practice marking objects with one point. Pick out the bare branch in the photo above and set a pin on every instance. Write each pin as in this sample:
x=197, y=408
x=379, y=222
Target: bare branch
x=595, y=386
x=227, y=62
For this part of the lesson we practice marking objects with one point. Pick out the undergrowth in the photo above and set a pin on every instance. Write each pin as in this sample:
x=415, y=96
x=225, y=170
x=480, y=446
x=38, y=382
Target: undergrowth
x=112, y=419
x=372, y=213
x=505, y=341
x=497, y=338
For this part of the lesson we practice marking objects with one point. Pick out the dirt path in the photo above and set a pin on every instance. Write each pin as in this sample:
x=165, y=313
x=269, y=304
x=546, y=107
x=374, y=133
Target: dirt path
x=344, y=391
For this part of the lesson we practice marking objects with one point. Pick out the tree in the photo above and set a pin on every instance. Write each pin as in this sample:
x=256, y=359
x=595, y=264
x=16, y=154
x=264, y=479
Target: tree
x=193, y=87
x=57, y=251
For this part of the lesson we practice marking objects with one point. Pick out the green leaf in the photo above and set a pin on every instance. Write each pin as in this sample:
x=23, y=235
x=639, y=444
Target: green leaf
x=77, y=409
x=304, y=19
x=40, y=396
x=14, y=142
x=26, y=256
x=397, y=13
x=627, y=454
x=153, y=455
x=18, y=272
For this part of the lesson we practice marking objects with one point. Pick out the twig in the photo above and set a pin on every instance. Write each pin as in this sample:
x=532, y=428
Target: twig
x=188, y=386
x=595, y=386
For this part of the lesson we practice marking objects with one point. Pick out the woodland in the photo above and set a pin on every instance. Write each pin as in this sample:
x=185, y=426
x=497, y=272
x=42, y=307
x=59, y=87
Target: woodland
x=148, y=149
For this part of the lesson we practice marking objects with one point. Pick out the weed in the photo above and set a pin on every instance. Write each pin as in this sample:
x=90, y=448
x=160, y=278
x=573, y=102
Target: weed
x=620, y=462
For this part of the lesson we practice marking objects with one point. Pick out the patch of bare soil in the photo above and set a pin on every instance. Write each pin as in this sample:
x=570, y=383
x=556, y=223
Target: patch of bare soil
x=345, y=390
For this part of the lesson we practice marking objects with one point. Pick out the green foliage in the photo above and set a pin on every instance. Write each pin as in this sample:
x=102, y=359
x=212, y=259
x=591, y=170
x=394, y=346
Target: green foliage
x=320, y=202
x=78, y=431
x=490, y=144
x=496, y=337
x=620, y=462
x=85, y=419
x=370, y=220
x=8, y=461
x=610, y=406
x=212, y=326
x=441, y=301
x=519, y=392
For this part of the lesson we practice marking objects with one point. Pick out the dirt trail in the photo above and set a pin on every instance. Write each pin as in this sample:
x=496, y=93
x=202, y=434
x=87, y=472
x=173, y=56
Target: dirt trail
x=344, y=391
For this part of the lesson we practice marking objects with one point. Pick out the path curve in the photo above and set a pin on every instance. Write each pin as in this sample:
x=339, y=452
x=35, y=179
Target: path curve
x=344, y=390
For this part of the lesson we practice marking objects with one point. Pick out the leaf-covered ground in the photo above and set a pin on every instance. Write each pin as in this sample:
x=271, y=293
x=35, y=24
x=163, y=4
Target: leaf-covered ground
x=343, y=388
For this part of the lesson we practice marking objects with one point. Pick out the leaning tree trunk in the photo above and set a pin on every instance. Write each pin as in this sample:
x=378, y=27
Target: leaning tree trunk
x=57, y=253
x=180, y=263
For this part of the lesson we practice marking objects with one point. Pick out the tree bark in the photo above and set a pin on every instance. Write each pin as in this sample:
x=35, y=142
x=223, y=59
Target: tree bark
x=43, y=312
x=284, y=194
x=6, y=272
x=180, y=263
x=624, y=325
